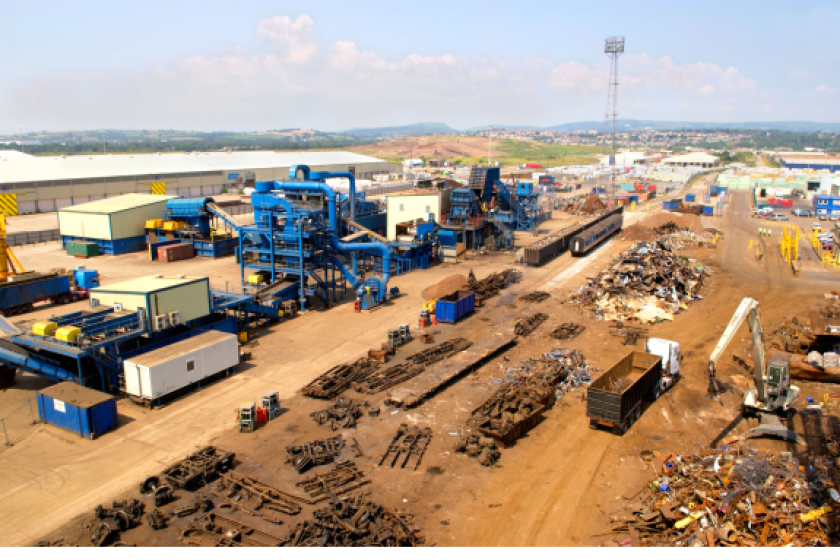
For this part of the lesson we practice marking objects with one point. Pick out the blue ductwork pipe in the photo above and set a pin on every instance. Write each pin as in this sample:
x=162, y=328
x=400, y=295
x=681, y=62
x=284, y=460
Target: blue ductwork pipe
x=314, y=181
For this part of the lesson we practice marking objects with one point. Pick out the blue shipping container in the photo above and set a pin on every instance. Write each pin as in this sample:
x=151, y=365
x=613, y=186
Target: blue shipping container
x=708, y=211
x=449, y=309
x=78, y=409
x=689, y=197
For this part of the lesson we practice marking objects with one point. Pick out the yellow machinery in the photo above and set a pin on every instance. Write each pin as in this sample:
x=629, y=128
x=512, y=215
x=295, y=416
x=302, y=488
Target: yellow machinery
x=789, y=244
x=44, y=328
x=10, y=262
x=67, y=334
x=154, y=224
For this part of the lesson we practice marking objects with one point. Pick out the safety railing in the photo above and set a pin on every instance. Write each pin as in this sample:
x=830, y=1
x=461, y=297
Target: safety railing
x=15, y=423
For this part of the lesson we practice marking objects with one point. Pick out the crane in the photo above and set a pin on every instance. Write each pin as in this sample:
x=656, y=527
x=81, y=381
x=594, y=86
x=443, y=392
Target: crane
x=772, y=396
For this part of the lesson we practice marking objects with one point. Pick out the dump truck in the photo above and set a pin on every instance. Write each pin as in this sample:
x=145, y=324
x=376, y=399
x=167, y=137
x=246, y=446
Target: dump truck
x=19, y=293
x=615, y=399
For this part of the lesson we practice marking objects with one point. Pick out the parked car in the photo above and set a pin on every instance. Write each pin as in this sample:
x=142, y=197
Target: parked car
x=766, y=212
x=823, y=217
x=779, y=218
x=801, y=212
x=833, y=218
x=816, y=226
x=827, y=244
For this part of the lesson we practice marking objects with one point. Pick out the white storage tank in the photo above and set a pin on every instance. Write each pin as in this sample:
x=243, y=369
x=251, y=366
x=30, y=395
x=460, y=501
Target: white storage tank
x=153, y=375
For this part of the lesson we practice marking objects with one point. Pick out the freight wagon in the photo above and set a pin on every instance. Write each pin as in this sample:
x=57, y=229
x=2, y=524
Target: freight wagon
x=615, y=399
x=19, y=296
x=590, y=237
x=542, y=251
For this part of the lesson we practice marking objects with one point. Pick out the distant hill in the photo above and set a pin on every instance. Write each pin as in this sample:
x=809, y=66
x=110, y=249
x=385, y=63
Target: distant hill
x=632, y=124
x=407, y=130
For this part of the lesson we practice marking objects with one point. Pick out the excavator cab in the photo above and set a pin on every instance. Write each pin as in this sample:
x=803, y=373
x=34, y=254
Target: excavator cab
x=778, y=375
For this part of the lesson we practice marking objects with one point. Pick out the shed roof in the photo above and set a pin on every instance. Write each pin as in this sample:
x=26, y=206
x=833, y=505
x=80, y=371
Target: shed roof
x=82, y=397
x=118, y=203
x=14, y=154
x=691, y=158
x=147, y=284
x=171, y=351
x=35, y=169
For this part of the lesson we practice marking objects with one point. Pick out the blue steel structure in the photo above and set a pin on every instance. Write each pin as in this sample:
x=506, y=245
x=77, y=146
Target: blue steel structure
x=196, y=214
x=295, y=242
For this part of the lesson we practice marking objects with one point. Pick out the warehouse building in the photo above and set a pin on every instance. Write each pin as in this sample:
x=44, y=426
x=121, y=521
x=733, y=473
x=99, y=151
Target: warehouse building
x=695, y=159
x=416, y=206
x=168, y=301
x=117, y=225
x=820, y=164
x=47, y=184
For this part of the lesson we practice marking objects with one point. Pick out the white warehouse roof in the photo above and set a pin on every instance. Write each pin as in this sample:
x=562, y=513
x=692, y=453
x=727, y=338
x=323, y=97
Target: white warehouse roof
x=62, y=168
x=116, y=204
x=13, y=154
x=696, y=157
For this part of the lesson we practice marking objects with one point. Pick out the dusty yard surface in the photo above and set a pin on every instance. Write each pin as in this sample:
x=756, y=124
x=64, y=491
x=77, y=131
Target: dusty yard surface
x=558, y=485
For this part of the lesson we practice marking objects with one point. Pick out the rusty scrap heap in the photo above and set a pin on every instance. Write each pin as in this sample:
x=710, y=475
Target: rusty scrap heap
x=719, y=498
x=649, y=283
x=492, y=284
x=355, y=522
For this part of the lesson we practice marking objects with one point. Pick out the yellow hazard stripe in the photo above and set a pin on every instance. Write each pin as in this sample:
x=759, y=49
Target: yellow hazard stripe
x=8, y=204
x=158, y=188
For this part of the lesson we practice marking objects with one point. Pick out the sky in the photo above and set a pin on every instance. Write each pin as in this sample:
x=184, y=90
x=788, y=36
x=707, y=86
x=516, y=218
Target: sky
x=260, y=65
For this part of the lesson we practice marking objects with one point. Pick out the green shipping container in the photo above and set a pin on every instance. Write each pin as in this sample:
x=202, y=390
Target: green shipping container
x=83, y=248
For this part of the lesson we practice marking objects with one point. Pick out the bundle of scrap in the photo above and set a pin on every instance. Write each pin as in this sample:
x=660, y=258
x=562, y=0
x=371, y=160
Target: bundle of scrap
x=649, y=283
x=338, y=379
x=355, y=522
x=492, y=284
x=720, y=498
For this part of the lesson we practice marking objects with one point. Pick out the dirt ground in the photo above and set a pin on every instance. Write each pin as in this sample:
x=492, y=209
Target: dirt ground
x=557, y=486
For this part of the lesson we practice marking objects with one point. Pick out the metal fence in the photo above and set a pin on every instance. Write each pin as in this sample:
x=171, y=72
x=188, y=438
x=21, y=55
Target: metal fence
x=14, y=424
x=30, y=237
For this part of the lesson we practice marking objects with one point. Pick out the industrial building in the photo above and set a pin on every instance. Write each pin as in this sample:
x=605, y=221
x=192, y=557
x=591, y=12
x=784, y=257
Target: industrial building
x=819, y=164
x=695, y=159
x=631, y=158
x=416, y=206
x=116, y=225
x=47, y=184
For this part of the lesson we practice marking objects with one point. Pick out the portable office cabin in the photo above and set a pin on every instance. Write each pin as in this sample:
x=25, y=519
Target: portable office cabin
x=416, y=206
x=116, y=224
x=160, y=372
x=160, y=296
x=78, y=409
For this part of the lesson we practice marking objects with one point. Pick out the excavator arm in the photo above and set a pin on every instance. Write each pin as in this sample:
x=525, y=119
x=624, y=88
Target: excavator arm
x=748, y=310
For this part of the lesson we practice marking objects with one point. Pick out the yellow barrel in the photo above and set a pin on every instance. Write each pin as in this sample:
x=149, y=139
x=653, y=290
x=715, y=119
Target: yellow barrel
x=67, y=334
x=44, y=328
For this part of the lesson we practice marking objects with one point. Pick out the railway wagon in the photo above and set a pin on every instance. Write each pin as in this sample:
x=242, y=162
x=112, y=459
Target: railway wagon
x=583, y=242
x=542, y=251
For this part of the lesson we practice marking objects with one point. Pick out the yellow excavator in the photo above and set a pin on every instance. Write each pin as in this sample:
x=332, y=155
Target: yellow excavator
x=9, y=266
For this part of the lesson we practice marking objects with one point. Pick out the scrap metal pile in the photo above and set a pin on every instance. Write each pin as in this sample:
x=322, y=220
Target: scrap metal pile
x=332, y=383
x=567, y=331
x=649, y=283
x=535, y=297
x=355, y=521
x=720, y=498
x=320, y=452
x=410, y=442
x=343, y=414
x=517, y=405
x=197, y=469
x=343, y=478
x=524, y=327
x=492, y=284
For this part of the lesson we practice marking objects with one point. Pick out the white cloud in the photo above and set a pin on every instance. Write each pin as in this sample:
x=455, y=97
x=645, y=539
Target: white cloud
x=579, y=79
x=826, y=89
x=295, y=40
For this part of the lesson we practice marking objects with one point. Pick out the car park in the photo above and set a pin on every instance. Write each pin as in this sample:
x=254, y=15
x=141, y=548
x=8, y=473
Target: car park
x=779, y=218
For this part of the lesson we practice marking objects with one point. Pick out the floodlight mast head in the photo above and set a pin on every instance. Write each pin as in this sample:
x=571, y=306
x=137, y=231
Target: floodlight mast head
x=614, y=45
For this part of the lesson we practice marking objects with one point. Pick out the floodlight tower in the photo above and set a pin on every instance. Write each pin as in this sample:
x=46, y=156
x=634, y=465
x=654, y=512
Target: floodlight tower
x=613, y=47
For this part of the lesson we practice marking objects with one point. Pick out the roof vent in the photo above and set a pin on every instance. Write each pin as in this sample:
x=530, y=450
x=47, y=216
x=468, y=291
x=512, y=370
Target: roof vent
x=158, y=276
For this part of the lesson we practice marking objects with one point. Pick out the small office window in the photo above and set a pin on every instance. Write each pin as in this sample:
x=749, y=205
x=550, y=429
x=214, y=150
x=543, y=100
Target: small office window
x=402, y=208
x=190, y=365
x=428, y=209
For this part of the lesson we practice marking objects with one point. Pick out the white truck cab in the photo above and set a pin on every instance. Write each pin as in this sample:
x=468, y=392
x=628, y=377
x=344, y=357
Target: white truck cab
x=669, y=351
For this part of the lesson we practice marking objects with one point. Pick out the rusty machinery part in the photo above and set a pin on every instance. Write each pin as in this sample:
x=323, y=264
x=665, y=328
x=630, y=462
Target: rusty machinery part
x=409, y=442
x=341, y=479
x=163, y=495
x=213, y=526
x=355, y=521
x=123, y=514
x=439, y=352
x=198, y=469
x=483, y=448
x=199, y=503
x=319, y=452
x=535, y=297
x=103, y=532
x=524, y=327
x=341, y=415
x=149, y=485
x=268, y=515
x=492, y=284
x=156, y=520
x=233, y=484
x=338, y=379
x=387, y=378
x=567, y=331
x=631, y=334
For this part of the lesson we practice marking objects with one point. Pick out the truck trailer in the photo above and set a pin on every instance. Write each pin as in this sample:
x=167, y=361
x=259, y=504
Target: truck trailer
x=615, y=399
x=20, y=294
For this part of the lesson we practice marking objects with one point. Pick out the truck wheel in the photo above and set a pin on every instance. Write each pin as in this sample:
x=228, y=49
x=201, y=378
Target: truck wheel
x=74, y=298
x=64, y=300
